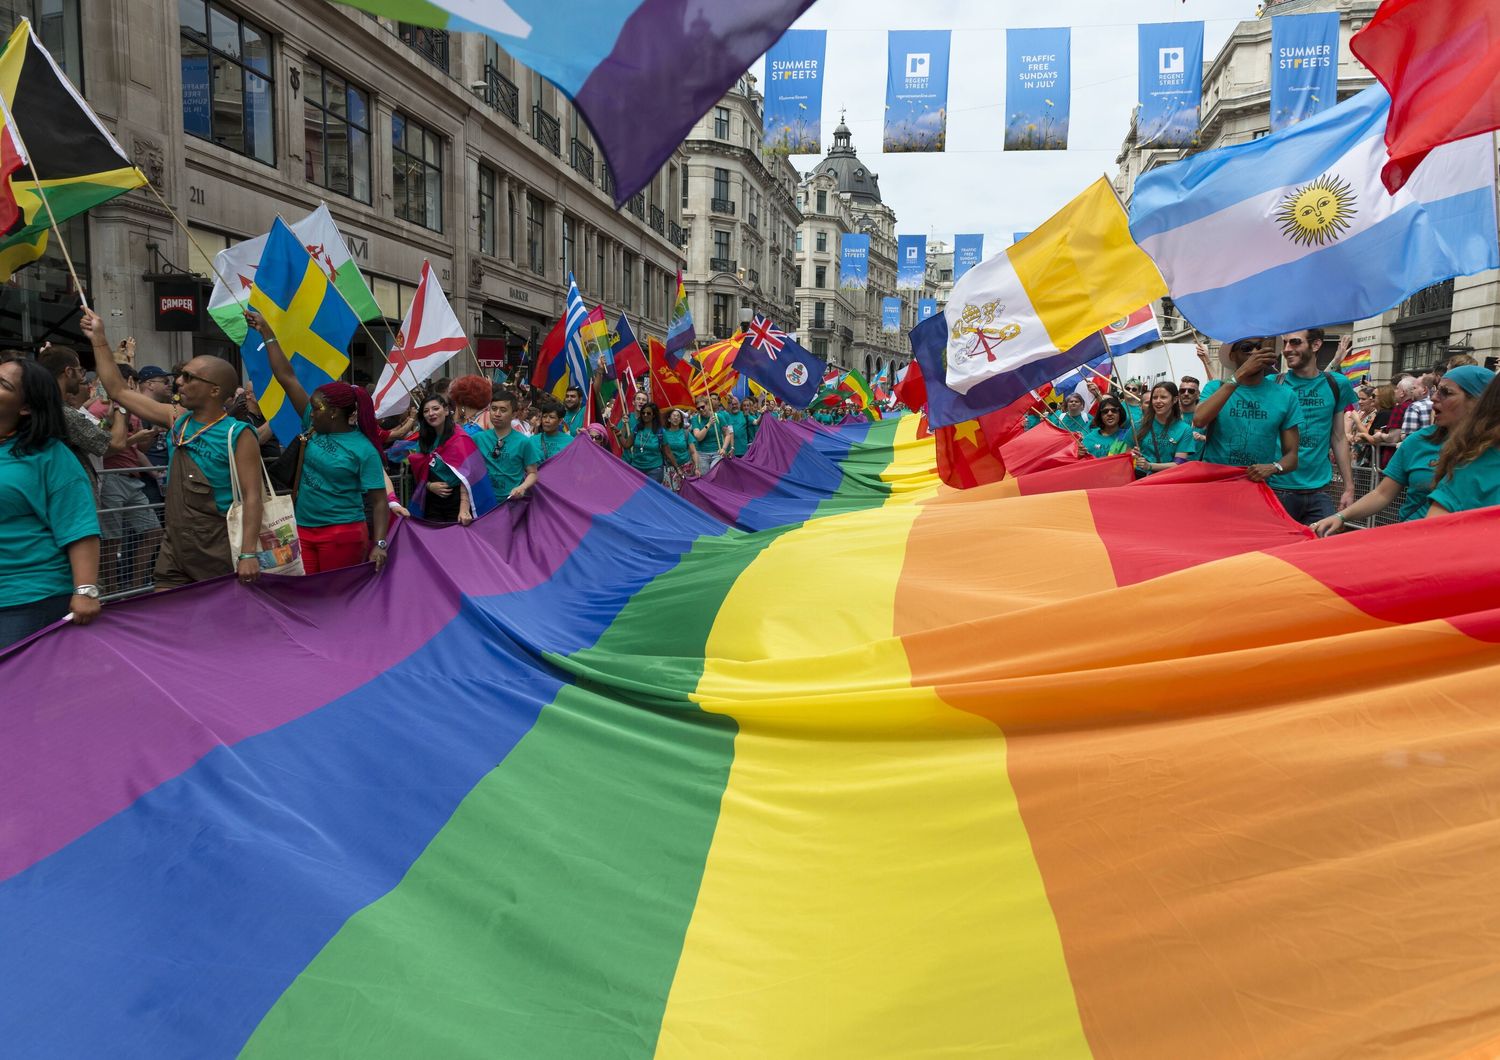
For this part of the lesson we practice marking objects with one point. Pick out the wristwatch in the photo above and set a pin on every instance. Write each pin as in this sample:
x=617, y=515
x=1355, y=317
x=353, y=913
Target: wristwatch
x=381, y=544
x=91, y=591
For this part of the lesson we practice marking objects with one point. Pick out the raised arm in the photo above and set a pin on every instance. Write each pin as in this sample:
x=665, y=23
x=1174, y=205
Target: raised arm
x=114, y=383
x=281, y=368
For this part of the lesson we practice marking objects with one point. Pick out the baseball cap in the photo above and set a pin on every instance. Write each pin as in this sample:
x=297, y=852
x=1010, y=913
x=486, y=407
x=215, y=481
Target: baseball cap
x=150, y=372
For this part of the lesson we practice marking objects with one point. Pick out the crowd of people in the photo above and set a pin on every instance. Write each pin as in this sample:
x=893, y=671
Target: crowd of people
x=165, y=467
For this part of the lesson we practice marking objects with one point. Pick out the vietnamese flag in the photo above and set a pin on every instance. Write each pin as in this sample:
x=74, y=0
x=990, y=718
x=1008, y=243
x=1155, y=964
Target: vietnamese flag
x=1440, y=61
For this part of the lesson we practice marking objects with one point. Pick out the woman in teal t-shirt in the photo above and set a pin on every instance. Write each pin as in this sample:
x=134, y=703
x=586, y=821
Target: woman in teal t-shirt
x=1072, y=418
x=49, y=532
x=1107, y=435
x=1163, y=439
x=1453, y=401
x=680, y=444
x=645, y=443
x=1467, y=475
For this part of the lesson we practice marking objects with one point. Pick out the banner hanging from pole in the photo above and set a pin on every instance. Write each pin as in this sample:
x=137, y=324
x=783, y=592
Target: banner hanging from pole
x=968, y=251
x=794, y=92
x=911, y=261
x=890, y=314
x=926, y=307
x=916, y=90
x=854, y=261
x=1304, y=66
x=1038, y=83
x=1171, y=83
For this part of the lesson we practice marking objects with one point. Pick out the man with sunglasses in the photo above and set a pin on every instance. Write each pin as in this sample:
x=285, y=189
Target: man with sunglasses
x=1188, y=391
x=202, y=436
x=712, y=435
x=90, y=441
x=1249, y=421
x=1322, y=397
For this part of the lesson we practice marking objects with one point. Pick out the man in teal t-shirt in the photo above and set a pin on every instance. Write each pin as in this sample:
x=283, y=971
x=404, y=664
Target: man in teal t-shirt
x=1322, y=398
x=551, y=439
x=1249, y=420
x=710, y=433
x=573, y=411
x=509, y=456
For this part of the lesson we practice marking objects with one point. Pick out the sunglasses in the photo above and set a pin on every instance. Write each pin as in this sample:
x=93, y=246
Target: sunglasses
x=1188, y=390
x=183, y=375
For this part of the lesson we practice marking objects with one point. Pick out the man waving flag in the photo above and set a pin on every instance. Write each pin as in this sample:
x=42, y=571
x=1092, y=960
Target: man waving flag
x=772, y=358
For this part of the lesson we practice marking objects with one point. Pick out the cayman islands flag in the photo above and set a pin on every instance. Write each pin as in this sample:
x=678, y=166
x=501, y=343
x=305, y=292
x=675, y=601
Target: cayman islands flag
x=1296, y=229
x=772, y=358
x=1132, y=332
x=1074, y=274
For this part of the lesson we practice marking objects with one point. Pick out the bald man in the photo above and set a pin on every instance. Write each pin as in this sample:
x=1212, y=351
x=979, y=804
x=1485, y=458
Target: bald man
x=198, y=494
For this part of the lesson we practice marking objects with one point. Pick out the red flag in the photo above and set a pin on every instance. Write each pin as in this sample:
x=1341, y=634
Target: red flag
x=968, y=453
x=669, y=388
x=1440, y=61
x=550, y=364
x=1044, y=446
x=911, y=391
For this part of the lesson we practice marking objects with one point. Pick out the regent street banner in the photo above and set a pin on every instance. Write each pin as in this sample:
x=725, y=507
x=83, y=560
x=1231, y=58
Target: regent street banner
x=911, y=261
x=1037, y=88
x=890, y=314
x=916, y=90
x=854, y=261
x=1304, y=66
x=794, y=92
x=1171, y=83
x=968, y=251
x=926, y=307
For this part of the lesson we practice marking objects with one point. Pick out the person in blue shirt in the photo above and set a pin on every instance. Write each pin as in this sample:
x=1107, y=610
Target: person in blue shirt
x=1249, y=421
x=550, y=438
x=711, y=436
x=1072, y=417
x=1134, y=401
x=1164, y=439
x=508, y=455
x=49, y=531
x=1467, y=474
x=573, y=411
x=1411, y=468
x=1322, y=398
x=734, y=416
x=1108, y=434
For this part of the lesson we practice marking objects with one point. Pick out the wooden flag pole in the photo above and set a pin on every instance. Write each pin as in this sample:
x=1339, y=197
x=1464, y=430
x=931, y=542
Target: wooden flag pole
x=7, y=118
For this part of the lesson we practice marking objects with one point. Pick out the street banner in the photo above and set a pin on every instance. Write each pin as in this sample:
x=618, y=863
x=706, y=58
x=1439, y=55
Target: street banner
x=926, y=307
x=911, y=261
x=1038, y=82
x=890, y=314
x=854, y=261
x=1171, y=83
x=794, y=92
x=916, y=90
x=1304, y=66
x=968, y=251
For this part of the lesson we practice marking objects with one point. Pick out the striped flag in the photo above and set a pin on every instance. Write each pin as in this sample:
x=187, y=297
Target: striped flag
x=575, y=342
x=429, y=337
x=680, y=333
x=1355, y=365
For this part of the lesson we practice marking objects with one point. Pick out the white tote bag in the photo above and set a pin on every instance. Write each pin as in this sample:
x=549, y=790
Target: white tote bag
x=279, y=549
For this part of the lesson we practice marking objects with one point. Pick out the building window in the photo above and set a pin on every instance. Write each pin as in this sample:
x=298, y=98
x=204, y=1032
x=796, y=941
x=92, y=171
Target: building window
x=721, y=183
x=820, y=318
x=599, y=263
x=723, y=307
x=627, y=280
x=416, y=172
x=512, y=225
x=487, y=219
x=820, y=349
x=721, y=244
x=430, y=44
x=822, y=202
x=820, y=276
x=822, y=240
x=56, y=23
x=721, y=122
x=567, y=247
x=799, y=275
x=336, y=133
x=227, y=80
x=684, y=187
x=536, y=235
x=799, y=240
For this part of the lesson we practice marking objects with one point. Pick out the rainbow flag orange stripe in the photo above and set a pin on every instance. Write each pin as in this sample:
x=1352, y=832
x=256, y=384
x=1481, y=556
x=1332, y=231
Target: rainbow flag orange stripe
x=1141, y=771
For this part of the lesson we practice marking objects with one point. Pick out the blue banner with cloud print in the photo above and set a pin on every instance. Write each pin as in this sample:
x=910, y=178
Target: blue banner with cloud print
x=1171, y=83
x=1038, y=84
x=794, y=92
x=911, y=261
x=854, y=261
x=968, y=251
x=1304, y=66
x=916, y=90
x=890, y=314
x=926, y=307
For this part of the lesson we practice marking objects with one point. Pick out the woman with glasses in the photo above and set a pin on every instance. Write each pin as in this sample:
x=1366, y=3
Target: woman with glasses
x=1107, y=435
x=645, y=443
x=49, y=532
x=199, y=492
x=1413, y=467
x=734, y=416
x=1134, y=401
x=1467, y=474
x=680, y=442
x=1163, y=439
x=711, y=436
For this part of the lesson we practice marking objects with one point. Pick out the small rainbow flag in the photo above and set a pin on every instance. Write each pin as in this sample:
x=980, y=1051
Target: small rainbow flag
x=1355, y=365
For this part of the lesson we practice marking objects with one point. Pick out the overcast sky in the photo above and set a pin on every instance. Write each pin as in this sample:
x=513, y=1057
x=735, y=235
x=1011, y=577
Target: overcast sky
x=974, y=186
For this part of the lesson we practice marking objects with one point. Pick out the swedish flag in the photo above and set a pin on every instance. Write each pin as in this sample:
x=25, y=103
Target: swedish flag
x=311, y=320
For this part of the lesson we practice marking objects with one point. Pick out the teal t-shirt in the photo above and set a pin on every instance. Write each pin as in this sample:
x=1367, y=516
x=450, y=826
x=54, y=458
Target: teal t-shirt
x=505, y=459
x=1098, y=444
x=1076, y=424
x=752, y=425
x=1248, y=428
x=573, y=421
x=644, y=453
x=1319, y=406
x=677, y=441
x=1031, y=420
x=735, y=421
x=1161, y=444
x=713, y=440
x=337, y=471
x=46, y=503
x=1475, y=485
x=210, y=451
x=545, y=446
x=1411, y=466
x=1134, y=412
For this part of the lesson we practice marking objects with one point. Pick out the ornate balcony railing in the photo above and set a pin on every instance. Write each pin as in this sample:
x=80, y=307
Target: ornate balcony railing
x=582, y=158
x=500, y=92
x=546, y=129
x=721, y=205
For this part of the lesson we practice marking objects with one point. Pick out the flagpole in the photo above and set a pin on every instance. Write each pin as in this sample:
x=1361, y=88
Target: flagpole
x=62, y=245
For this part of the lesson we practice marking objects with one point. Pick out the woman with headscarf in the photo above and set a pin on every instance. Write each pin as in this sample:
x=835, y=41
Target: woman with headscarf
x=339, y=470
x=1467, y=474
x=1413, y=467
x=1107, y=434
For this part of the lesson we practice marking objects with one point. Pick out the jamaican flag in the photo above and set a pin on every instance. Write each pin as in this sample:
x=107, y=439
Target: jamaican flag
x=52, y=144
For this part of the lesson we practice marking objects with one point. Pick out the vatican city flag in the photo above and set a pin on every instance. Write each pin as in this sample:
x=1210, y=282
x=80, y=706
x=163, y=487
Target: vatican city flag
x=1296, y=230
x=1075, y=273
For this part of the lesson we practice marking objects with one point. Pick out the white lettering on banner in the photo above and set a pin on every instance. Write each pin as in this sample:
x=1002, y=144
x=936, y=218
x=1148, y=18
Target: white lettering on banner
x=177, y=303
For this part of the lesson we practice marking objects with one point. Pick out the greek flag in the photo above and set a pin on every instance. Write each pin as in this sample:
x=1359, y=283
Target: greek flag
x=1296, y=230
x=574, y=347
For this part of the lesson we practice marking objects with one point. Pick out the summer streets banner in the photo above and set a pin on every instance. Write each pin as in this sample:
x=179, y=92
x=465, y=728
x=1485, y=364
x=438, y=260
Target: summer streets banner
x=1171, y=83
x=1037, y=87
x=794, y=92
x=926, y=307
x=911, y=261
x=916, y=90
x=968, y=251
x=1304, y=66
x=854, y=261
x=890, y=314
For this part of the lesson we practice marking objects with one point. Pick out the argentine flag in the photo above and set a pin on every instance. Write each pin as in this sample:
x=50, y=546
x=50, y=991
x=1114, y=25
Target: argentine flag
x=1296, y=230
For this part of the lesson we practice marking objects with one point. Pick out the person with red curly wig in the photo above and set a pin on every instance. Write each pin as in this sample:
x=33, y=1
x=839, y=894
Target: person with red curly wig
x=470, y=395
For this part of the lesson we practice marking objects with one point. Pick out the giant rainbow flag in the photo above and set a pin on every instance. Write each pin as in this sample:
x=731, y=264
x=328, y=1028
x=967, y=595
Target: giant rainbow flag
x=821, y=759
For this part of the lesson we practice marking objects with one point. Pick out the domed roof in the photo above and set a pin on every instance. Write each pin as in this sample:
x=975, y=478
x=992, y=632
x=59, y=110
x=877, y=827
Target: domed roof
x=852, y=174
